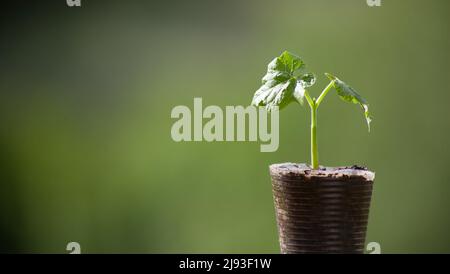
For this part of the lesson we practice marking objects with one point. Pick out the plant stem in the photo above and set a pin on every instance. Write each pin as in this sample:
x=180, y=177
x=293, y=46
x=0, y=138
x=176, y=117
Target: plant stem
x=309, y=99
x=324, y=93
x=314, y=150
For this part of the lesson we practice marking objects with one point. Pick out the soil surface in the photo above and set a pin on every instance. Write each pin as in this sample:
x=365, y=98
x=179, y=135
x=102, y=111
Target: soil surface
x=306, y=172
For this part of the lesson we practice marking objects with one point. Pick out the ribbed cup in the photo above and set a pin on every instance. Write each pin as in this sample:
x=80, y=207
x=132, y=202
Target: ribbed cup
x=321, y=211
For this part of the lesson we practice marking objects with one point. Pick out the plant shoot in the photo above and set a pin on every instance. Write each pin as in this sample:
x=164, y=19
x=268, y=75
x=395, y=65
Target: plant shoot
x=287, y=80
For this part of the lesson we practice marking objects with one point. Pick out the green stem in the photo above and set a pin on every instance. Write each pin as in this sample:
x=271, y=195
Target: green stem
x=314, y=105
x=314, y=150
x=309, y=99
x=324, y=93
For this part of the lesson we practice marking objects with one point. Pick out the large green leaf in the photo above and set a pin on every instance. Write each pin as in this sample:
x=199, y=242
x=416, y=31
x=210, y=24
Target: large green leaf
x=349, y=94
x=284, y=82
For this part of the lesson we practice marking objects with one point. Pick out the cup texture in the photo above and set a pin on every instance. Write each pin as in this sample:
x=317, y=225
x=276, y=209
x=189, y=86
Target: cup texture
x=323, y=212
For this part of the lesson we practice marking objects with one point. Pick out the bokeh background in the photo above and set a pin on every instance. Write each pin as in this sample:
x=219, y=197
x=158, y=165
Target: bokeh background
x=86, y=94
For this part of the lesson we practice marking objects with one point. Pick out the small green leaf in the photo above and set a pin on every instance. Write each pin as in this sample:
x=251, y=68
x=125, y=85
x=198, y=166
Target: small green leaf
x=299, y=92
x=274, y=94
x=349, y=94
x=284, y=82
x=307, y=80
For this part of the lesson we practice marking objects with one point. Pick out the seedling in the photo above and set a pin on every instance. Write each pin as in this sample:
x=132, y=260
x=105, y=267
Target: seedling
x=287, y=81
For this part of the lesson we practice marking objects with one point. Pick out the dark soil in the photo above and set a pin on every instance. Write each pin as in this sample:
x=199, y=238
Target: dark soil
x=293, y=170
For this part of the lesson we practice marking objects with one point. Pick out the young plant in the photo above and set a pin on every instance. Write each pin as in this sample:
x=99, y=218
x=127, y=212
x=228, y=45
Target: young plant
x=287, y=80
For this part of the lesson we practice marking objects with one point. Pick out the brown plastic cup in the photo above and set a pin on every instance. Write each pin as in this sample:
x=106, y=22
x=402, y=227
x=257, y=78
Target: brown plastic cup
x=321, y=211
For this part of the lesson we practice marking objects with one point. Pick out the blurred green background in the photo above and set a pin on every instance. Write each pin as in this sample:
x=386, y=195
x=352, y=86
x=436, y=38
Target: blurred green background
x=86, y=94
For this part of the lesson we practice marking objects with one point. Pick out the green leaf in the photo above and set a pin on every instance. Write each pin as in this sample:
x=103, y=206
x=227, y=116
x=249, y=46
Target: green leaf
x=307, y=80
x=349, y=94
x=284, y=82
x=299, y=92
x=274, y=94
